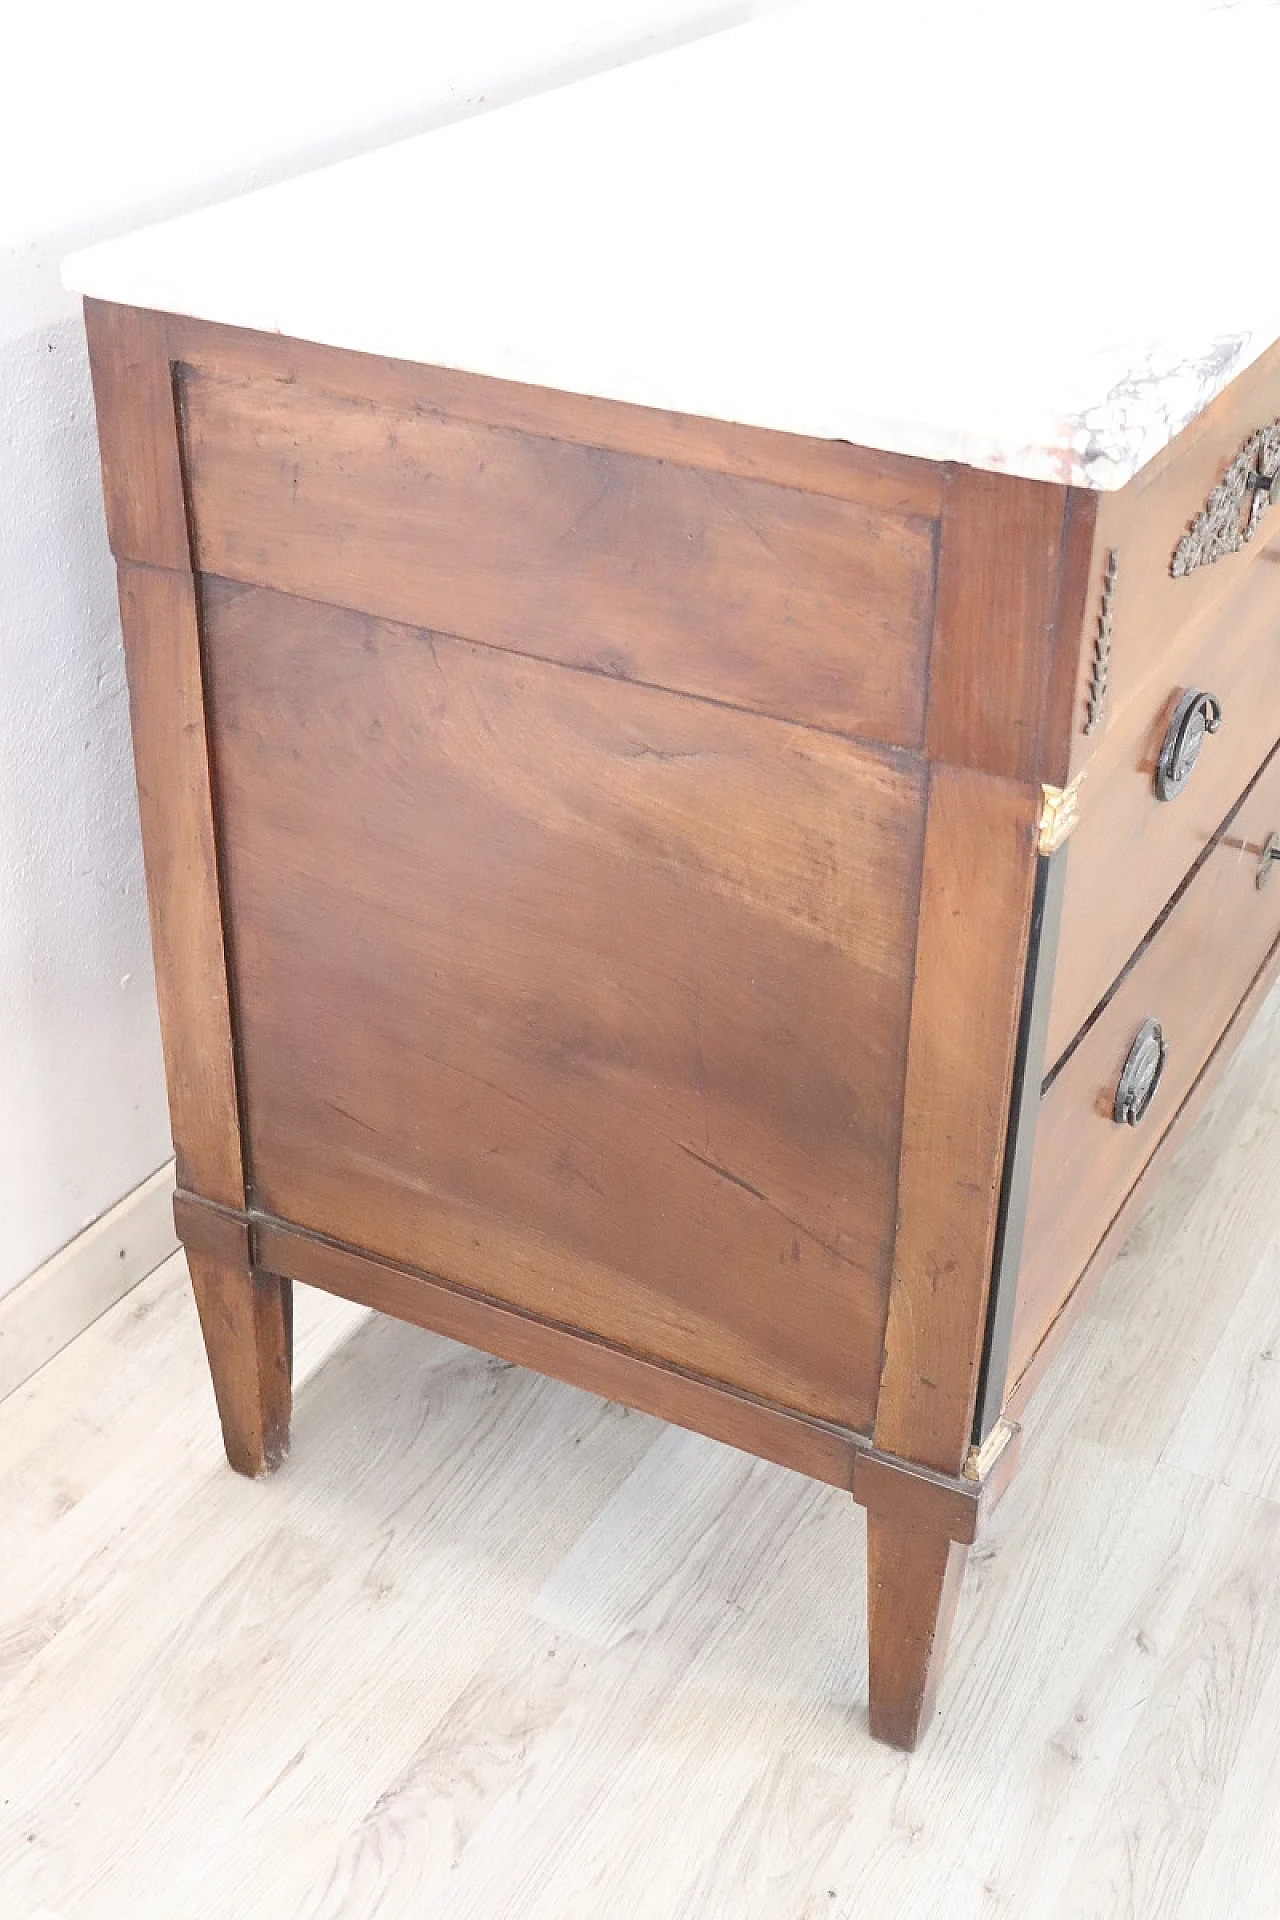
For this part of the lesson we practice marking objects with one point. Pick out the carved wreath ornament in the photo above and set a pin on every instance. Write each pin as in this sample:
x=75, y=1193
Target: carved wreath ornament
x=1230, y=516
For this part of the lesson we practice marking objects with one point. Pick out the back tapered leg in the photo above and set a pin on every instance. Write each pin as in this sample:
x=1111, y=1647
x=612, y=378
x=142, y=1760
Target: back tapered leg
x=247, y=1322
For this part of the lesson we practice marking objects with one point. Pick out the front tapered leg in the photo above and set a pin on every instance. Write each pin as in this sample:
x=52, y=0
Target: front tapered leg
x=247, y=1322
x=914, y=1577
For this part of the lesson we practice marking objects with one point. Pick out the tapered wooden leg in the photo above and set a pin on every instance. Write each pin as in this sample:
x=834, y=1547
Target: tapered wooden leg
x=247, y=1322
x=914, y=1575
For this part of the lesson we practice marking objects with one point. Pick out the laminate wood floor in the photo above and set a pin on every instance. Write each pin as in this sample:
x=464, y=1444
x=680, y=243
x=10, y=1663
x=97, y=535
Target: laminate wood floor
x=488, y=1647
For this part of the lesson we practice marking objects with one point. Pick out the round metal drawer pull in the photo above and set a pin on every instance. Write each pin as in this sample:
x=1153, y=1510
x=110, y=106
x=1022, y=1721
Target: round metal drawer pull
x=1267, y=860
x=1141, y=1075
x=1196, y=714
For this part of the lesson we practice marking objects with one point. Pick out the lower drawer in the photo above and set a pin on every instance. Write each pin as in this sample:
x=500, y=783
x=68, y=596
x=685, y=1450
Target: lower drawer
x=1131, y=851
x=1188, y=980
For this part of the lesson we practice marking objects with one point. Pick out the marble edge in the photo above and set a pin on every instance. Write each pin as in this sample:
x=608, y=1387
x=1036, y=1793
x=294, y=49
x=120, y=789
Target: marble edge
x=1153, y=394
x=1145, y=394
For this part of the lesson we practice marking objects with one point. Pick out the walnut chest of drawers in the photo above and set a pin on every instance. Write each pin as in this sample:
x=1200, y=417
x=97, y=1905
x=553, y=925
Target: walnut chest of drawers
x=733, y=918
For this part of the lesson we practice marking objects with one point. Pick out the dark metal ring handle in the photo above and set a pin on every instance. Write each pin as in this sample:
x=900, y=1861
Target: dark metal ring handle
x=1196, y=714
x=1140, y=1075
x=1267, y=860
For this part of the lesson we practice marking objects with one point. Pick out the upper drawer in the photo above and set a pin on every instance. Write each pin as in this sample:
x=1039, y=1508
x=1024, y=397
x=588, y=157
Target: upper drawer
x=1131, y=849
x=1190, y=979
x=1155, y=613
x=1216, y=627
x=792, y=604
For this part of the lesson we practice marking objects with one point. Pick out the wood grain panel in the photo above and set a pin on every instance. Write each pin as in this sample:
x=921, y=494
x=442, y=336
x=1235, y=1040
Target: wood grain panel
x=889, y=482
x=797, y=605
x=1190, y=978
x=584, y=996
x=975, y=911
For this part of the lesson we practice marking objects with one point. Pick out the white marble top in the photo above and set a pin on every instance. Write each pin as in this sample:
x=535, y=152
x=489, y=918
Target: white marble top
x=963, y=231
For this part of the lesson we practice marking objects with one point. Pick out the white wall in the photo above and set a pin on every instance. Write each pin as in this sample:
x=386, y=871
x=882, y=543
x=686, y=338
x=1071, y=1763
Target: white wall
x=112, y=116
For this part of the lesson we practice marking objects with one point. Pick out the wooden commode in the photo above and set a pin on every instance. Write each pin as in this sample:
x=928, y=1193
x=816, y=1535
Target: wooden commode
x=686, y=848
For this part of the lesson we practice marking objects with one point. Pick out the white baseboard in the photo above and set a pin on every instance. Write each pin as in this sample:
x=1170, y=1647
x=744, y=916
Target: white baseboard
x=67, y=1294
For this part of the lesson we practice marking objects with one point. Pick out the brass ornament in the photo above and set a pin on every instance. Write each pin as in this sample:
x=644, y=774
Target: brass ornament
x=980, y=1460
x=1231, y=515
x=1058, y=815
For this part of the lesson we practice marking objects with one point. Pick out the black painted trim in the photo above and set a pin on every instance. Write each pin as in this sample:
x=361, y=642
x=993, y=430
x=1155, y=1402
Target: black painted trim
x=1028, y=1072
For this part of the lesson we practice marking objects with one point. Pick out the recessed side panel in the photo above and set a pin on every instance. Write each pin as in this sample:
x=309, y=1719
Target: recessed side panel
x=584, y=996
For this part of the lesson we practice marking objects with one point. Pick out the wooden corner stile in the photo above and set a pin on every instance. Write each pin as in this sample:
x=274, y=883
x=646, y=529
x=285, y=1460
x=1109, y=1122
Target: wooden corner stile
x=975, y=916
x=146, y=520
x=1012, y=577
x=245, y=1325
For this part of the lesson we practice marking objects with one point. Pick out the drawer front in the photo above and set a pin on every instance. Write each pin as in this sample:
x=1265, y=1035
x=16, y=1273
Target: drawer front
x=584, y=996
x=1189, y=980
x=1155, y=613
x=1132, y=849
x=761, y=596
